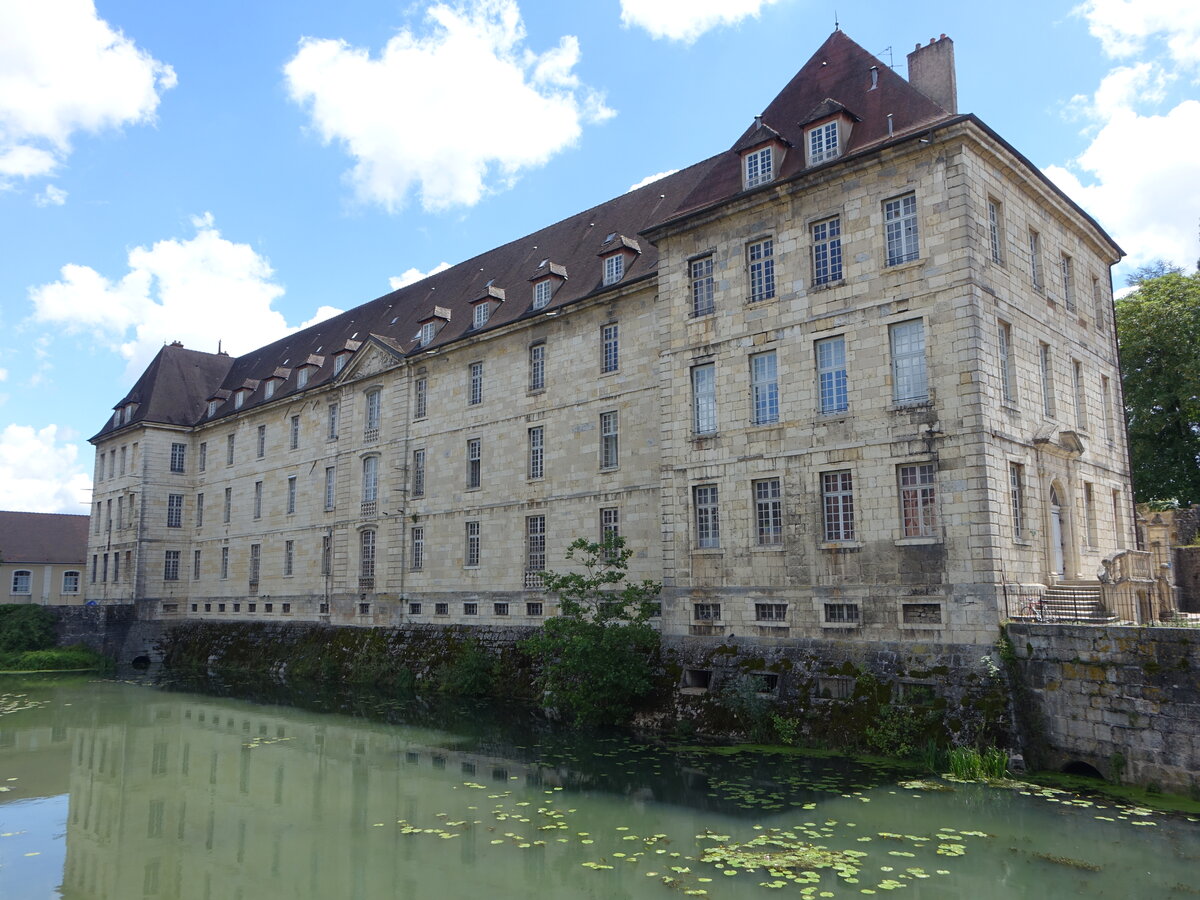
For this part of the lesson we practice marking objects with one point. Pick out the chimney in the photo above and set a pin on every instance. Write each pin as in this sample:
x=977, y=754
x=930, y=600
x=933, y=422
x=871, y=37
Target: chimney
x=931, y=71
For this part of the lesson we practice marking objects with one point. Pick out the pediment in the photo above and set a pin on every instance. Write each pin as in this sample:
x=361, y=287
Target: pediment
x=377, y=354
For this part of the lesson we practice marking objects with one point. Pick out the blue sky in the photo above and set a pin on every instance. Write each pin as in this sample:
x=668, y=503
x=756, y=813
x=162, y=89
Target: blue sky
x=225, y=171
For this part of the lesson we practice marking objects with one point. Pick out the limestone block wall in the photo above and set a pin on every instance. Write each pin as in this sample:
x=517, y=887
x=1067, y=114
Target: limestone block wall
x=1124, y=700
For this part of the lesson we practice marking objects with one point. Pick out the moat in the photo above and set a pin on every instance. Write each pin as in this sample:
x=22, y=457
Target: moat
x=110, y=789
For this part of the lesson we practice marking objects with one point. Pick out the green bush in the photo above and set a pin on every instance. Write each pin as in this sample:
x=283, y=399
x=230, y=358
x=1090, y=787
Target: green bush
x=26, y=627
x=900, y=731
x=77, y=657
x=471, y=673
x=751, y=710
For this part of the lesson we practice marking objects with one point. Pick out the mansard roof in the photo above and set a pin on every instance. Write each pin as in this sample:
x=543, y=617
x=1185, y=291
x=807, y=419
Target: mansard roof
x=43, y=538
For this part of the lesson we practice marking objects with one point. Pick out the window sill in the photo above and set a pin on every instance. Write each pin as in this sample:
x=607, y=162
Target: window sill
x=533, y=392
x=606, y=374
x=605, y=470
x=903, y=264
x=767, y=548
x=754, y=301
x=842, y=625
x=840, y=546
x=828, y=285
x=707, y=551
x=770, y=623
x=1022, y=542
x=913, y=626
x=472, y=489
x=924, y=540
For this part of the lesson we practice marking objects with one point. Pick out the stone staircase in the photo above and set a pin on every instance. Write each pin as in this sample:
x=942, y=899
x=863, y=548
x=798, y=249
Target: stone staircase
x=1075, y=602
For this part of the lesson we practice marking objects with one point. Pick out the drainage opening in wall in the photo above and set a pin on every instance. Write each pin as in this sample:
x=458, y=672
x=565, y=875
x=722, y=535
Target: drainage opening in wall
x=1079, y=767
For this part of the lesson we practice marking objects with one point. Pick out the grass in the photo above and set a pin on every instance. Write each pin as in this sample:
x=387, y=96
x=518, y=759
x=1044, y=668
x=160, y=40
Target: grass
x=55, y=660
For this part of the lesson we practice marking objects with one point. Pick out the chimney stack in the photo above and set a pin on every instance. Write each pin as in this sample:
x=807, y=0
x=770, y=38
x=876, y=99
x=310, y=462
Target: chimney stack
x=931, y=71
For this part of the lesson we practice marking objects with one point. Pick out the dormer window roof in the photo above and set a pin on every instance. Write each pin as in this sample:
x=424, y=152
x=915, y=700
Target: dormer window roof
x=827, y=131
x=304, y=371
x=618, y=251
x=546, y=278
x=761, y=150
x=485, y=304
x=431, y=325
x=341, y=356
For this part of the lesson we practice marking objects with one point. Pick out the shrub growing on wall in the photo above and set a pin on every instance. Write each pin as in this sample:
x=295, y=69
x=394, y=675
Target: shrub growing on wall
x=26, y=627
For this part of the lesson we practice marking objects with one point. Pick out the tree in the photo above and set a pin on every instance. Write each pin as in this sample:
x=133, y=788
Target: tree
x=1158, y=326
x=597, y=656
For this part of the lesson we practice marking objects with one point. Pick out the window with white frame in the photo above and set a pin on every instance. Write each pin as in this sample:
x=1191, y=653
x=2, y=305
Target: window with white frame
x=823, y=143
x=418, y=473
x=330, y=487
x=758, y=167
x=535, y=546
x=475, y=386
x=708, y=516
x=239, y=398
x=900, y=225
x=261, y=446
x=425, y=336
x=537, y=367
x=1066, y=269
x=610, y=358
x=374, y=402
x=291, y=494
x=366, y=556
x=417, y=561
x=918, y=500
x=610, y=528
x=302, y=376
x=537, y=451
x=70, y=582
x=995, y=230
x=178, y=456
x=702, y=286
x=331, y=432
x=481, y=314
x=22, y=581
x=1081, y=419
x=614, y=268
x=420, y=398
x=609, y=438
x=541, y=293
x=1016, y=499
x=1046, y=360
x=1035, y=259
x=837, y=502
x=768, y=512
x=212, y=407
x=227, y=509
x=1008, y=370
x=224, y=562
x=910, y=383
x=294, y=432
x=339, y=362
x=289, y=557
x=170, y=565
x=269, y=388
x=474, y=463
x=832, y=384
x=370, y=479
x=704, y=398
x=764, y=389
x=202, y=461
x=471, y=557
x=175, y=510
x=760, y=259
x=258, y=498
x=827, y=250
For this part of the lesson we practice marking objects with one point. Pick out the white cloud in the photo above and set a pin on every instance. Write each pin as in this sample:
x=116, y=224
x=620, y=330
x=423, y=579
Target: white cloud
x=322, y=313
x=650, y=179
x=686, y=20
x=1125, y=27
x=64, y=70
x=199, y=291
x=452, y=113
x=51, y=196
x=40, y=471
x=412, y=276
x=3, y=374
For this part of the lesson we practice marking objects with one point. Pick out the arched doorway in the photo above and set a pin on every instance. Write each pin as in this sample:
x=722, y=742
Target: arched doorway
x=1058, y=539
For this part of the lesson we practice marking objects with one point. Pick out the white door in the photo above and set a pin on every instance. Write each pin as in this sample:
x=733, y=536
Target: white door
x=1056, y=532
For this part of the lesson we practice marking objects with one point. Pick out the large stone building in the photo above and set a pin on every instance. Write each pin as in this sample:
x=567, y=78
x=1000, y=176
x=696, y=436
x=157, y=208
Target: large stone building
x=852, y=376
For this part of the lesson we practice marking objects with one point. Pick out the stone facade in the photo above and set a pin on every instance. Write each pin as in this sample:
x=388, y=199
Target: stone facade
x=865, y=450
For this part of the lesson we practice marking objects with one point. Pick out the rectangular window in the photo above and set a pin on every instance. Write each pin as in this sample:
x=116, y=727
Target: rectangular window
x=842, y=613
x=371, y=425
x=202, y=462
x=195, y=565
x=370, y=479
x=414, y=609
x=224, y=562
x=470, y=609
x=764, y=389
x=302, y=376
x=1106, y=400
x=420, y=398
x=291, y=494
x=1118, y=526
x=704, y=398
x=261, y=448
x=294, y=432
x=1081, y=420
x=995, y=241
x=418, y=548
x=900, y=222
x=537, y=367
x=426, y=334
x=1016, y=499
x=70, y=583
x=708, y=518
x=832, y=384
x=706, y=612
x=366, y=559
x=1035, y=259
x=199, y=510
x=537, y=451
x=533, y=608
x=614, y=268
x=610, y=344
x=258, y=498
x=909, y=380
x=418, y=473
x=331, y=432
x=610, y=528
x=837, y=501
x=170, y=566
x=702, y=286
x=1008, y=372
x=1097, y=301
x=768, y=512
x=175, y=510
x=474, y=463
x=1089, y=514
x=918, y=500
x=228, y=507
x=1066, y=269
x=541, y=294
x=770, y=612
x=326, y=555
x=761, y=260
x=535, y=548
x=823, y=143
x=471, y=558
x=481, y=313
x=229, y=442
x=758, y=167
x=608, y=440
x=330, y=487
x=1047, y=366
x=827, y=251
x=120, y=512
x=475, y=393
x=500, y=609
x=125, y=452
x=178, y=455
x=289, y=557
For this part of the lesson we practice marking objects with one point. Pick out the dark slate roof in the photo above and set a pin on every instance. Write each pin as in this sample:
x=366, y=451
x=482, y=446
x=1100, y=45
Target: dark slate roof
x=45, y=538
x=176, y=385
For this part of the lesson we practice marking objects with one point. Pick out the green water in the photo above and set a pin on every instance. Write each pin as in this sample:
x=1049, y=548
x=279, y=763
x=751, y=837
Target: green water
x=117, y=790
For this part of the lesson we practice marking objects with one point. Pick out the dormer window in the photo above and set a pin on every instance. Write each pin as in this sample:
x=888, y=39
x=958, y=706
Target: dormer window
x=339, y=362
x=269, y=389
x=212, y=407
x=823, y=143
x=759, y=167
x=614, y=268
x=541, y=293
x=238, y=399
x=302, y=377
x=130, y=408
x=427, y=332
x=483, y=312
x=116, y=418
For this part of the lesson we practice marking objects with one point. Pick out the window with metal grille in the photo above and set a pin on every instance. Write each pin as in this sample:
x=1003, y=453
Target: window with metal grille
x=610, y=343
x=175, y=511
x=537, y=450
x=178, y=456
x=708, y=521
x=418, y=473
x=471, y=557
x=474, y=463
x=537, y=367
x=768, y=512
x=827, y=250
x=418, y=548
x=475, y=395
x=702, y=286
x=170, y=566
